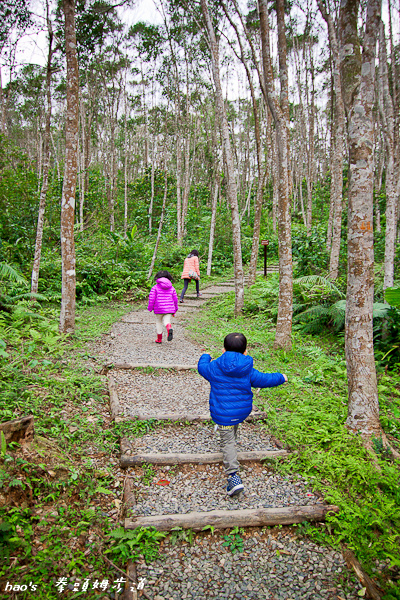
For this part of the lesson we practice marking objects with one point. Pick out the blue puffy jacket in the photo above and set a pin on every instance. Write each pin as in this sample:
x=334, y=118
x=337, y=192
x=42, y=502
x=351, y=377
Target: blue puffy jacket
x=232, y=376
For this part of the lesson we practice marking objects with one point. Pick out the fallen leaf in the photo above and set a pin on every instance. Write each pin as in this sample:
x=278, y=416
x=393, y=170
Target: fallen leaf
x=362, y=592
x=163, y=482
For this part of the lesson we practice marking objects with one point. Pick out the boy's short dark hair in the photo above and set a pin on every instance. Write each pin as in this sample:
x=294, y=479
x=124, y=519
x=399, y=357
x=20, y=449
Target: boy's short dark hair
x=235, y=342
x=165, y=274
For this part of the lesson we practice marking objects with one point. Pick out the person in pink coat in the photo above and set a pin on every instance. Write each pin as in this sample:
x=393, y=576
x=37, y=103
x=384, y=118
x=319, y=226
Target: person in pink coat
x=191, y=270
x=163, y=300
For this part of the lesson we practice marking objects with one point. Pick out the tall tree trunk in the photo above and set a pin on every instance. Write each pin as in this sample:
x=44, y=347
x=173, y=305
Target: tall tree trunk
x=388, y=122
x=212, y=225
x=179, y=187
x=337, y=156
x=310, y=157
x=82, y=168
x=160, y=225
x=46, y=165
x=230, y=170
x=126, y=167
x=67, y=314
x=153, y=166
x=358, y=74
x=280, y=114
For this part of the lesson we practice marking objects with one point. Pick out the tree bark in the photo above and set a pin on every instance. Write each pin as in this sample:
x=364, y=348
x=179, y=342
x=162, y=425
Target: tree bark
x=280, y=114
x=212, y=225
x=67, y=314
x=46, y=166
x=337, y=158
x=230, y=170
x=153, y=260
x=358, y=75
x=388, y=122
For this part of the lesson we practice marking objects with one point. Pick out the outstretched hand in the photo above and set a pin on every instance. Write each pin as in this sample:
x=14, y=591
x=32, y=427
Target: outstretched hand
x=286, y=379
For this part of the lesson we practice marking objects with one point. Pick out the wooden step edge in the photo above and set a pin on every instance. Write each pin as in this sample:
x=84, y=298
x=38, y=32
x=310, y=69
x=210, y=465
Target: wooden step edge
x=193, y=417
x=221, y=519
x=175, y=417
x=207, y=458
x=128, y=366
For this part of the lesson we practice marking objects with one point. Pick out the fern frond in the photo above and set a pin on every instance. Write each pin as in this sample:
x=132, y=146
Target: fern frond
x=312, y=280
x=8, y=272
x=380, y=310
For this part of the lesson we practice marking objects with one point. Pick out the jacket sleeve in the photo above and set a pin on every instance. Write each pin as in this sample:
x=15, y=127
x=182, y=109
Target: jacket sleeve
x=264, y=380
x=203, y=365
x=197, y=265
x=152, y=298
x=175, y=298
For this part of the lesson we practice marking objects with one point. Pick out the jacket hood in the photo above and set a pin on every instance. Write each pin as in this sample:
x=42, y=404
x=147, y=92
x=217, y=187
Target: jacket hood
x=164, y=283
x=234, y=363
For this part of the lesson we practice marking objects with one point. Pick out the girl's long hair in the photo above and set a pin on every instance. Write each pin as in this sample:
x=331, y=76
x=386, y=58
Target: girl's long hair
x=194, y=253
x=165, y=274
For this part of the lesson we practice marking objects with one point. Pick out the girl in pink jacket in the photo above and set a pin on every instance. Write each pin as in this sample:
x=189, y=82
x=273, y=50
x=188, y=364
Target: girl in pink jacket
x=163, y=300
x=191, y=270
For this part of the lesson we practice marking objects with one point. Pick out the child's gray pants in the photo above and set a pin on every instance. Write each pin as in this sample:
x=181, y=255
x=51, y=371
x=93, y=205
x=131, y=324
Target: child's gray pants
x=228, y=437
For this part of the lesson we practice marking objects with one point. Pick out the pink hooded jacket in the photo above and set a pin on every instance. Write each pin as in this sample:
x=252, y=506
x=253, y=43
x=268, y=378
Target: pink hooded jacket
x=163, y=298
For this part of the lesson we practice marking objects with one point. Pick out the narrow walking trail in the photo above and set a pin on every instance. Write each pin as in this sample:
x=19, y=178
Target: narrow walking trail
x=174, y=481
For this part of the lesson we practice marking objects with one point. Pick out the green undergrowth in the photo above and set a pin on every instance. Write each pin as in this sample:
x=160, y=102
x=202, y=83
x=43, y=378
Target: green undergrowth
x=308, y=415
x=60, y=497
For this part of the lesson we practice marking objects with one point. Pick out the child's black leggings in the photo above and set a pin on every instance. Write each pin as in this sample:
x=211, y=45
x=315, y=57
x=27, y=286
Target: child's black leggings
x=185, y=286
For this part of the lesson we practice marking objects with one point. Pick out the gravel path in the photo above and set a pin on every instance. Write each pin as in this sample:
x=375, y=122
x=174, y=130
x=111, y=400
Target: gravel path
x=271, y=567
x=200, y=438
x=203, y=488
x=162, y=392
x=134, y=342
x=274, y=564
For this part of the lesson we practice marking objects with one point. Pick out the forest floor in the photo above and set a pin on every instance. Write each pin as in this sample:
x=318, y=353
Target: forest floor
x=68, y=507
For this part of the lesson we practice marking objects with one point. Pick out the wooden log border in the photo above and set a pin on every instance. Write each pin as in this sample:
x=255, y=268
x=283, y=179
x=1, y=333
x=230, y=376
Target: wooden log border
x=175, y=417
x=365, y=580
x=208, y=458
x=128, y=366
x=221, y=519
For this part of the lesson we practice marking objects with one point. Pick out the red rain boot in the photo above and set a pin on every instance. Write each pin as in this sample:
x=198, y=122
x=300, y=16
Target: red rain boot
x=159, y=338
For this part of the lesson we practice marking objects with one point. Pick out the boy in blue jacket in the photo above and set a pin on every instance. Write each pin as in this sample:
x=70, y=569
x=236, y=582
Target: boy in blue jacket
x=232, y=376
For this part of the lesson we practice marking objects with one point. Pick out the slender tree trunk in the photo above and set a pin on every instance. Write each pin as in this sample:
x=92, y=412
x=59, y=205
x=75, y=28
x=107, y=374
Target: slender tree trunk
x=388, y=121
x=46, y=166
x=337, y=157
x=178, y=188
x=214, y=205
x=67, y=315
x=310, y=158
x=160, y=225
x=230, y=171
x=358, y=74
x=378, y=187
x=280, y=114
x=126, y=168
x=2, y=108
x=82, y=168
x=153, y=160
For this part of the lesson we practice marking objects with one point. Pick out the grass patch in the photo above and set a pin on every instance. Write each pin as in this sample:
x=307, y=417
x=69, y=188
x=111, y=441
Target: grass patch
x=309, y=415
x=60, y=497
